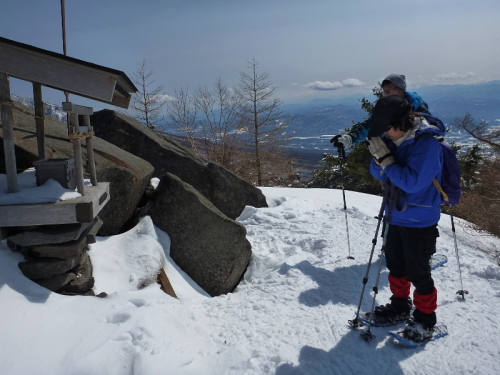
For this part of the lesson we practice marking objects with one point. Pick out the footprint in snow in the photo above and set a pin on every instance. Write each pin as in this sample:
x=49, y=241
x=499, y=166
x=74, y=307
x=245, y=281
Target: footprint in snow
x=118, y=318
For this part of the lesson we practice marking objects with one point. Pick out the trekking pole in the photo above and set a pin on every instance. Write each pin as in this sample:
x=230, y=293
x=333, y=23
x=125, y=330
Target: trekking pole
x=354, y=323
x=461, y=292
x=368, y=335
x=341, y=150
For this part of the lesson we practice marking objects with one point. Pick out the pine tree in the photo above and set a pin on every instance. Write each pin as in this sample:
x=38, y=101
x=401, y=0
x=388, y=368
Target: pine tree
x=356, y=174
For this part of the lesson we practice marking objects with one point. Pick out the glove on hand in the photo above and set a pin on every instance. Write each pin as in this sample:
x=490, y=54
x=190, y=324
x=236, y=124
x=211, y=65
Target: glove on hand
x=380, y=152
x=344, y=139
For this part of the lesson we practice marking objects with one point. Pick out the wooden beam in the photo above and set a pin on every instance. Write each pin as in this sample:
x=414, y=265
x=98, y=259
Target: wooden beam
x=90, y=151
x=69, y=107
x=80, y=210
x=39, y=120
x=121, y=101
x=58, y=73
x=77, y=150
x=8, y=135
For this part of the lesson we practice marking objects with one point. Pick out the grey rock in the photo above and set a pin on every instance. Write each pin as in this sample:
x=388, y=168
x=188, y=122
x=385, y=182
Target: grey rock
x=91, y=234
x=50, y=234
x=83, y=281
x=231, y=194
x=44, y=268
x=224, y=189
x=210, y=247
x=56, y=282
x=67, y=250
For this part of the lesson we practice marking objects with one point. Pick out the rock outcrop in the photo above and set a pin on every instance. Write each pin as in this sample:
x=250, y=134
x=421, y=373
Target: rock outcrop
x=195, y=203
x=210, y=247
x=229, y=193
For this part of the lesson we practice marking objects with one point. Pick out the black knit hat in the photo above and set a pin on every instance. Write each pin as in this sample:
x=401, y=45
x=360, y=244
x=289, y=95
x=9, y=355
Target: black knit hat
x=389, y=110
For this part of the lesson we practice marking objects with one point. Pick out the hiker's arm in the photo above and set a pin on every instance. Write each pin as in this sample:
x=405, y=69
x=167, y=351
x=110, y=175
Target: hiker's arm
x=423, y=164
x=359, y=132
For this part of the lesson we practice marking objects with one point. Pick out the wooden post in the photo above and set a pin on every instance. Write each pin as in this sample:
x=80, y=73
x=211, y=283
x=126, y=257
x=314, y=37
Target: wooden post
x=39, y=120
x=90, y=151
x=165, y=284
x=8, y=134
x=77, y=149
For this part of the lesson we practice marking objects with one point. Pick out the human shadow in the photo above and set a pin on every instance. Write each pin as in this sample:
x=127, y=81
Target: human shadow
x=352, y=355
x=342, y=285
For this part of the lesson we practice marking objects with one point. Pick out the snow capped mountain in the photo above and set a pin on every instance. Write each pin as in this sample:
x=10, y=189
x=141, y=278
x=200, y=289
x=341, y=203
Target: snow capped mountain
x=49, y=109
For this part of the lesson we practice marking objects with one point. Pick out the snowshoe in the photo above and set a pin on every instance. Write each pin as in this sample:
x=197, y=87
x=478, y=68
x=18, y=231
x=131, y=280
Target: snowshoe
x=385, y=321
x=414, y=334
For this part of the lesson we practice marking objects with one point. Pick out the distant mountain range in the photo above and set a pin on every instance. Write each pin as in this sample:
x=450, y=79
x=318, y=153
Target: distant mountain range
x=315, y=122
x=331, y=116
x=50, y=109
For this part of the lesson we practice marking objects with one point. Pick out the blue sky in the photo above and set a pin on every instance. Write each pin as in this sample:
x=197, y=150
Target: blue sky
x=313, y=48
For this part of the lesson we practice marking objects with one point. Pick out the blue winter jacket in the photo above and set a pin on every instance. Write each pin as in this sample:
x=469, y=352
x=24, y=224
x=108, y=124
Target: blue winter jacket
x=359, y=132
x=418, y=161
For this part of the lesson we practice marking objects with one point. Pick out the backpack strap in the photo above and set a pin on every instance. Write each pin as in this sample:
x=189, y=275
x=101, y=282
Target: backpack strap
x=440, y=189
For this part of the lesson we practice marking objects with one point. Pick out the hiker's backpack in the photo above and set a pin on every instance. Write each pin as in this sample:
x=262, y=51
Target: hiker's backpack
x=451, y=177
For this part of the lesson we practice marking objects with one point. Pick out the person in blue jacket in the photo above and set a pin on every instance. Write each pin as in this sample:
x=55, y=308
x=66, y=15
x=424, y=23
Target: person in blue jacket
x=407, y=158
x=393, y=84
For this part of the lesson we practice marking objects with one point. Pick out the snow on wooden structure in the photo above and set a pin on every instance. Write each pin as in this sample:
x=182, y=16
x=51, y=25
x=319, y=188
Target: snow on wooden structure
x=67, y=74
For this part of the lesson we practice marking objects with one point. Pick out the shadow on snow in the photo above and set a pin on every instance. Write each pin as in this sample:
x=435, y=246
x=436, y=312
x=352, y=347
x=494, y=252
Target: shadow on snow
x=342, y=285
x=351, y=355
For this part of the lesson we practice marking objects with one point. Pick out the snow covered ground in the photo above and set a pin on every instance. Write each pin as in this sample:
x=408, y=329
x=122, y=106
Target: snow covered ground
x=288, y=316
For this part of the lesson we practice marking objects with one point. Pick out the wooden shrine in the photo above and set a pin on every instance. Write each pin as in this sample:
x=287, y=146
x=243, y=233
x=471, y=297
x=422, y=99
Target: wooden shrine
x=70, y=75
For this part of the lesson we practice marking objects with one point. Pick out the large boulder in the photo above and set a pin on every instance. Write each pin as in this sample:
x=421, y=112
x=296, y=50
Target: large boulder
x=128, y=174
x=224, y=189
x=210, y=247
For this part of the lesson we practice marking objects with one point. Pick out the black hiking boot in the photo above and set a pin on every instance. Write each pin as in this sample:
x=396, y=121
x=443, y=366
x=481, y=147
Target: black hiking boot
x=397, y=311
x=421, y=327
x=417, y=332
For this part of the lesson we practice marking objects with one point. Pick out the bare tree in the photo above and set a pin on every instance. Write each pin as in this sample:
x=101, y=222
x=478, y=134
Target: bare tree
x=480, y=202
x=183, y=115
x=480, y=131
x=209, y=119
x=262, y=120
x=218, y=108
x=148, y=102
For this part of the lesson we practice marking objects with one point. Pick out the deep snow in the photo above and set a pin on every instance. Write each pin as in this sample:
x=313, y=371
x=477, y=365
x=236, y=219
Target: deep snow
x=288, y=316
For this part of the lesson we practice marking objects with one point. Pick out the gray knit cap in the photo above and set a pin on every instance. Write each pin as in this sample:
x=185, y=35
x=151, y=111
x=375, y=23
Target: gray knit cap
x=398, y=79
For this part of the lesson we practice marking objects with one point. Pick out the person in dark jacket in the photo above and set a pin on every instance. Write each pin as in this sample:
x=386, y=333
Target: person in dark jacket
x=408, y=162
x=393, y=84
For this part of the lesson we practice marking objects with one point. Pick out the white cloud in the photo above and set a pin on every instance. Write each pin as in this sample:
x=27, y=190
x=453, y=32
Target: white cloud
x=448, y=76
x=443, y=78
x=320, y=85
x=327, y=85
x=353, y=82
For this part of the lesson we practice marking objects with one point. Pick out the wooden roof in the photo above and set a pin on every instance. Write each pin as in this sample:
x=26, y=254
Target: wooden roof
x=65, y=73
